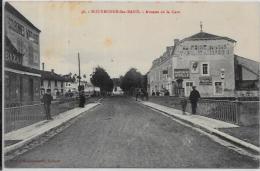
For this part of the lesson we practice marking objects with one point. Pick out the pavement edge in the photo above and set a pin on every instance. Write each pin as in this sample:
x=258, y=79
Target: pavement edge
x=22, y=143
x=215, y=132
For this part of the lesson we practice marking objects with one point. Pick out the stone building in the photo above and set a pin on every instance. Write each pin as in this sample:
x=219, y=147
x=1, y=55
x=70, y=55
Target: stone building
x=160, y=75
x=208, y=62
x=21, y=57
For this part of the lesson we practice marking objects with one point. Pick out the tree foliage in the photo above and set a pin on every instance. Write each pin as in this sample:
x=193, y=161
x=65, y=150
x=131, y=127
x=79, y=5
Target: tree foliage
x=101, y=79
x=131, y=80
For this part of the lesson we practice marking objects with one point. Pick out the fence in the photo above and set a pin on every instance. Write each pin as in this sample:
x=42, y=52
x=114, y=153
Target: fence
x=19, y=116
x=237, y=112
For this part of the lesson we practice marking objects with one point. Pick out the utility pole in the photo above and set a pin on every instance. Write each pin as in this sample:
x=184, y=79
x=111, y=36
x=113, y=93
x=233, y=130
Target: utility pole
x=79, y=70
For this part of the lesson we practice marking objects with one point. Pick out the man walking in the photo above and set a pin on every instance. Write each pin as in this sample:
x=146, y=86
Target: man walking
x=194, y=97
x=47, y=98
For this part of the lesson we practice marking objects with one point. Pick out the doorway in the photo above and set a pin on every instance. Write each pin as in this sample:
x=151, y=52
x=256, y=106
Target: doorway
x=188, y=87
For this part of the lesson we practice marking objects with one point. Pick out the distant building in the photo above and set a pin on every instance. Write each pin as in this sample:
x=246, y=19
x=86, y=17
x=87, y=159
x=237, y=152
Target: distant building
x=72, y=86
x=206, y=61
x=117, y=91
x=22, y=58
x=53, y=82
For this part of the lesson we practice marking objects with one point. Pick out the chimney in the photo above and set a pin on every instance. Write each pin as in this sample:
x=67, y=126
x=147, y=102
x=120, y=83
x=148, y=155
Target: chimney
x=52, y=70
x=176, y=42
x=43, y=66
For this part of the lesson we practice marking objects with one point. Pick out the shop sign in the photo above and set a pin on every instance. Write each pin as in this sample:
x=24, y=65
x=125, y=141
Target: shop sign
x=194, y=67
x=13, y=58
x=181, y=73
x=15, y=26
x=205, y=80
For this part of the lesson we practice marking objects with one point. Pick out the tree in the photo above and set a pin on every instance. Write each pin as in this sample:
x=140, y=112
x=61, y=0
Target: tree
x=131, y=80
x=101, y=79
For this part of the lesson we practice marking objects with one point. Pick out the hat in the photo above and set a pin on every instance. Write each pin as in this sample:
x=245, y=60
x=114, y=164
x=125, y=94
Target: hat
x=194, y=86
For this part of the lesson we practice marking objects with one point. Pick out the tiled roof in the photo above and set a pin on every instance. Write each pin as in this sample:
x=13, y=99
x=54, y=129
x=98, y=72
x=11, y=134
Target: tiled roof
x=207, y=36
x=48, y=75
x=15, y=12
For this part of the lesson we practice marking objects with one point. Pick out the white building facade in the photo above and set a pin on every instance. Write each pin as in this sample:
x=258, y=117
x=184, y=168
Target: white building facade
x=203, y=60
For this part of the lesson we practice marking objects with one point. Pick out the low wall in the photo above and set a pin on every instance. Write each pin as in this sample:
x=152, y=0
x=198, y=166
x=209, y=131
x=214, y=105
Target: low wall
x=244, y=113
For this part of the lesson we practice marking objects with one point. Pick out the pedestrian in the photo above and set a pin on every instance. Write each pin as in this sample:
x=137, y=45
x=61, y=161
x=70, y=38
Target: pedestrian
x=153, y=93
x=136, y=95
x=184, y=102
x=146, y=95
x=194, y=97
x=47, y=98
x=82, y=99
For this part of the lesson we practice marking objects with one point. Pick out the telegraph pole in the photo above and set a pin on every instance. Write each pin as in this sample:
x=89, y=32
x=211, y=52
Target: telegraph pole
x=79, y=69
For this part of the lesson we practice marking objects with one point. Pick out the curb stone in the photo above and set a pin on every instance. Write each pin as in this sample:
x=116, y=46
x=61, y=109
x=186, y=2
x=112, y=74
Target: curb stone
x=22, y=143
x=212, y=131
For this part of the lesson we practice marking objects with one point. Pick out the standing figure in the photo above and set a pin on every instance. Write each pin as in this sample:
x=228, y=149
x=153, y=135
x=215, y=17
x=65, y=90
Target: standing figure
x=47, y=98
x=136, y=95
x=194, y=97
x=82, y=99
x=184, y=105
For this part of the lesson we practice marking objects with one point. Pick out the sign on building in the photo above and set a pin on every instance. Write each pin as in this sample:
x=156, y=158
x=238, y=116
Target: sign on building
x=194, y=67
x=181, y=73
x=205, y=80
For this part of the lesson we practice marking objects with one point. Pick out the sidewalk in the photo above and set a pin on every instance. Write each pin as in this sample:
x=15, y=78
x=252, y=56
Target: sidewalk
x=209, y=125
x=18, y=138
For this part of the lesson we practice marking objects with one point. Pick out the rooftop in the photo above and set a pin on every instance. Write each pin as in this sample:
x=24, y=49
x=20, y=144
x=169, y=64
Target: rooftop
x=15, y=12
x=49, y=75
x=207, y=36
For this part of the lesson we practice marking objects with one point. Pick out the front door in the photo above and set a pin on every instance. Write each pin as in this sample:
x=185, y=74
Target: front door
x=188, y=87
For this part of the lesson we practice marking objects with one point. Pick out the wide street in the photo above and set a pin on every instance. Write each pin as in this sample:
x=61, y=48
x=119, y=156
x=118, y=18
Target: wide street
x=122, y=133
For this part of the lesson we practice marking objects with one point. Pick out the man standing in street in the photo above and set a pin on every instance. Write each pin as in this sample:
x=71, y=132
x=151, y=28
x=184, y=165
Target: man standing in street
x=47, y=98
x=194, y=97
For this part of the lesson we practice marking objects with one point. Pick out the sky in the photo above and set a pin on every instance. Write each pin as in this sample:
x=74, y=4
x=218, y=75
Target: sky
x=118, y=42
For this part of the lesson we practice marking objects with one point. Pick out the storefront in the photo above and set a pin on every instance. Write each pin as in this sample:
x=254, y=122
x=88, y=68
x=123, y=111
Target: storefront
x=21, y=83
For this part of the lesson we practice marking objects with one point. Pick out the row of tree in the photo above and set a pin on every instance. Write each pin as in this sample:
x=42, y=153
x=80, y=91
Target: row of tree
x=128, y=83
x=101, y=79
x=132, y=80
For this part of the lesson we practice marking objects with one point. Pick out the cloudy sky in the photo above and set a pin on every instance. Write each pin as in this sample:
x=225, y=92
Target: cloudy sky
x=118, y=42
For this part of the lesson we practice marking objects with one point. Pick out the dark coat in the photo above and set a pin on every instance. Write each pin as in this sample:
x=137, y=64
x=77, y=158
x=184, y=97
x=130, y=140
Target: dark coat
x=82, y=100
x=47, y=98
x=194, y=96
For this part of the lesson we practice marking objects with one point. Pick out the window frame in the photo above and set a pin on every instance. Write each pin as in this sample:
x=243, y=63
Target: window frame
x=222, y=83
x=185, y=87
x=201, y=67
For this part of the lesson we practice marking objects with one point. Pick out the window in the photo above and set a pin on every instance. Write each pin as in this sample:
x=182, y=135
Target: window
x=218, y=88
x=61, y=84
x=55, y=83
x=205, y=68
x=41, y=82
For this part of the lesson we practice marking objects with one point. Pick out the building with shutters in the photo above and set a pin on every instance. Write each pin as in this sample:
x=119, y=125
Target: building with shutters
x=21, y=58
x=208, y=62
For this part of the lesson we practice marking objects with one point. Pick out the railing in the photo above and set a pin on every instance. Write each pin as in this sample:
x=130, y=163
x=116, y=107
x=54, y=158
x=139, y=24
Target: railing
x=224, y=110
x=19, y=116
